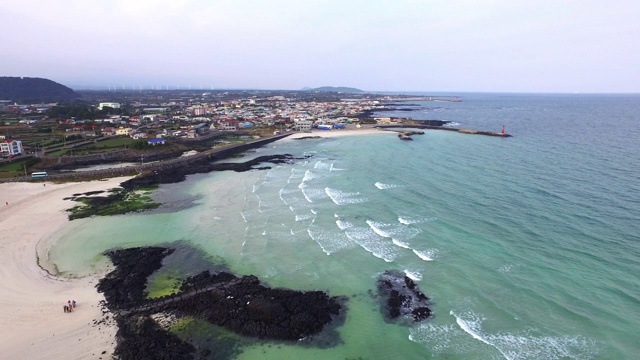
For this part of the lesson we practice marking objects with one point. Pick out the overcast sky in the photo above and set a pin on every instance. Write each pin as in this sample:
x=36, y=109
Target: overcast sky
x=400, y=45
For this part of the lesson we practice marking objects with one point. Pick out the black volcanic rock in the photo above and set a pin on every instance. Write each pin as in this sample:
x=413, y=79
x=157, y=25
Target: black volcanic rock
x=246, y=307
x=240, y=304
x=141, y=338
x=178, y=174
x=401, y=297
x=36, y=89
x=124, y=286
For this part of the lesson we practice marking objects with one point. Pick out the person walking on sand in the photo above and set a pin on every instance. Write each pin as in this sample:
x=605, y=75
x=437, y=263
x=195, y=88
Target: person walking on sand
x=65, y=308
x=73, y=304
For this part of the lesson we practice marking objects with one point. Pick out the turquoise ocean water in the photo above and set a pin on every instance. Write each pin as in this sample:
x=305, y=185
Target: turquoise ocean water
x=529, y=247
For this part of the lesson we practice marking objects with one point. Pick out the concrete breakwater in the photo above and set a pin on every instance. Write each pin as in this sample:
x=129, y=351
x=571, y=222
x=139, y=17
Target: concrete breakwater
x=433, y=127
x=209, y=155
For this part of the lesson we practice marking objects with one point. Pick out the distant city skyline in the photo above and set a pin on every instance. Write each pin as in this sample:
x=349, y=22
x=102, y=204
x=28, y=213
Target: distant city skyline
x=377, y=45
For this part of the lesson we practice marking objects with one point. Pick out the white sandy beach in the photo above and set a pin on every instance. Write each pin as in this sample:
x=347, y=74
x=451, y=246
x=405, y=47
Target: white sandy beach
x=350, y=130
x=33, y=324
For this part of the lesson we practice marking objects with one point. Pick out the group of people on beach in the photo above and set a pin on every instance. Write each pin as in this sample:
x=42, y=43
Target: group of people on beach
x=71, y=304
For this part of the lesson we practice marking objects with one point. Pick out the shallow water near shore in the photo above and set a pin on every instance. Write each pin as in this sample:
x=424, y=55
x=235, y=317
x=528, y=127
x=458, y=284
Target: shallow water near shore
x=527, y=246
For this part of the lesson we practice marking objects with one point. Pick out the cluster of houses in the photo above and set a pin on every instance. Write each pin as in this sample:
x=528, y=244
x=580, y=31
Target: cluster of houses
x=197, y=116
x=194, y=117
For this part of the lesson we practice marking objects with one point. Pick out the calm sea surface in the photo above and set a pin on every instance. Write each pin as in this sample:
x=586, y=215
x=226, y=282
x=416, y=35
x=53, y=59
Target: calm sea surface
x=529, y=247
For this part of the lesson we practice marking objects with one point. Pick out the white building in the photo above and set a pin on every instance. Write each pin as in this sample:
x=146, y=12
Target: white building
x=109, y=104
x=11, y=147
x=303, y=125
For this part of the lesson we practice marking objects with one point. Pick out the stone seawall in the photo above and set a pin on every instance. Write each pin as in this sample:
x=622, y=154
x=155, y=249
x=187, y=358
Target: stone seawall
x=462, y=131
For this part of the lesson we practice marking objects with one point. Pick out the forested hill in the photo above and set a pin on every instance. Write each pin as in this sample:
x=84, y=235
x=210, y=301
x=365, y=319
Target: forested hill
x=36, y=89
x=342, y=89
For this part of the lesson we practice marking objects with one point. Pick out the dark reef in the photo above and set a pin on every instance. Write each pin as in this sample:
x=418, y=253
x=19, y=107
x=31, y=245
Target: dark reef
x=402, y=298
x=178, y=174
x=124, y=286
x=239, y=304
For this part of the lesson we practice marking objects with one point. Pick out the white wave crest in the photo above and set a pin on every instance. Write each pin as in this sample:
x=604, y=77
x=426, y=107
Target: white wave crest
x=302, y=217
x=526, y=346
x=400, y=243
x=344, y=198
x=313, y=194
x=413, y=275
x=372, y=243
x=423, y=255
x=406, y=220
x=320, y=165
x=377, y=228
x=308, y=175
x=330, y=242
x=382, y=186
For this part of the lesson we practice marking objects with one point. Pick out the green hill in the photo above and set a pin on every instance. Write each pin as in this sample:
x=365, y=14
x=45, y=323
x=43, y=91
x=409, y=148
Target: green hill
x=34, y=89
x=341, y=89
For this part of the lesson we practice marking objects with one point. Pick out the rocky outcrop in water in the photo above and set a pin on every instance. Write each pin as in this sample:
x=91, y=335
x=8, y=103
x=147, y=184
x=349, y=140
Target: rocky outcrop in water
x=243, y=305
x=239, y=304
x=124, y=286
x=402, y=298
x=178, y=174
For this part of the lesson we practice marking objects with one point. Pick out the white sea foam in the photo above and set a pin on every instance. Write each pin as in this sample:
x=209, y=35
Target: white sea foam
x=321, y=165
x=332, y=168
x=522, y=345
x=408, y=220
x=344, y=198
x=398, y=232
x=295, y=174
x=308, y=176
x=343, y=225
x=508, y=267
x=401, y=244
x=382, y=186
x=413, y=275
x=377, y=228
x=286, y=193
x=330, y=241
x=426, y=256
x=302, y=217
x=372, y=242
x=264, y=206
x=312, y=194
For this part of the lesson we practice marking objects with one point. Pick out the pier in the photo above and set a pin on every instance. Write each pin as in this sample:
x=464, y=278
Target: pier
x=459, y=130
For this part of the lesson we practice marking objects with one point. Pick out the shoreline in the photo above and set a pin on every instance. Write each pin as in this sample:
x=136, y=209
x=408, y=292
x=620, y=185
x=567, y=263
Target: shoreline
x=350, y=130
x=33, y=324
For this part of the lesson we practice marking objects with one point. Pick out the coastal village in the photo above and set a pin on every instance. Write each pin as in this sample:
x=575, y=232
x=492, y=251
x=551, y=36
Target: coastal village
x=109, y=122
x=188, y=116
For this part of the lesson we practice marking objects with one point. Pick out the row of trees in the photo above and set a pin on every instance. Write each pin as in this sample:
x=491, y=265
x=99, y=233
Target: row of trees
x=84, y=112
